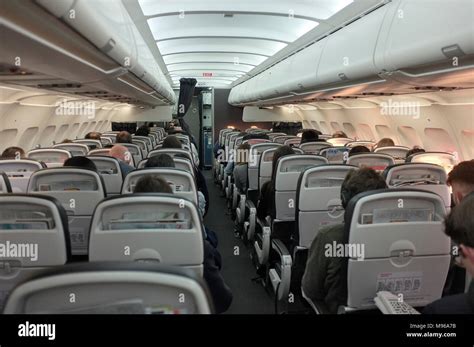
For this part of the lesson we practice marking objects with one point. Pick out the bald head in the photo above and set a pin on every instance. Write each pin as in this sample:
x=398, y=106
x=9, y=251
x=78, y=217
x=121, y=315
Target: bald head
x=122, y=153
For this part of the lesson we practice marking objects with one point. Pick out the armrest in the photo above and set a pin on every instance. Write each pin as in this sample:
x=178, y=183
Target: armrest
x=252, y=219
x=281, y=283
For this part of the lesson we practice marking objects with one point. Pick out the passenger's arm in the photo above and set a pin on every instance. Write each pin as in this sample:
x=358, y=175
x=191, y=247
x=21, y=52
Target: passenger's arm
x=314, y=277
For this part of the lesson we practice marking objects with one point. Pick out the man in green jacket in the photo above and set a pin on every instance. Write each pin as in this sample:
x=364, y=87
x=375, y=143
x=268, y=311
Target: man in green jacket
x=325, y=277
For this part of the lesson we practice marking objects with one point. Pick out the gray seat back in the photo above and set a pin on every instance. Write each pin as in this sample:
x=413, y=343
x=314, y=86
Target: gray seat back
x=398, y=153
x=339, y=141
x=143, y=144
x=112, y=288
x=182, y=182
x=173, y=152
x=37, y=227
x=148, y=227
x=375, y=161
x=444, y=159
x=92, y=144
x=79, y=191
x=109, y=169
x=254, y=160
x=19, y=172
x=428, y=177
x=335, y=155
x=5, y=186
x=76, y=149
x=314, y=147
x=286, y=178
x=52, y=157
x=319, y=199
x=369, y=144
x=135, y=151
x=388, y=249
x=100, y=151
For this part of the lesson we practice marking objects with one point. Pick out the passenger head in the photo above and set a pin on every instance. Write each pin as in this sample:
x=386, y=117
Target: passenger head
x=358, y=149
x=67, y=141
x=94, y=135
x=121, y=153
x=385, y=142
x=160, y=160
x=171, y=142
x=123, y=137
x=142, y=131
x=459, y=226
x=243, y=154
x=461, y=180
x=359, y=181
x=82, y=162
x=13, y=153
x=152, y=184
x=309, y=135
x=280, y=152
x=415, y=150
x=339, y=134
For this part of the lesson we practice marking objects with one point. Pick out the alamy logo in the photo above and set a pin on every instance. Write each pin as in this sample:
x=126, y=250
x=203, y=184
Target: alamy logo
x=37, y=330
x=19, y=250
x=344, y=250
x=76, y=108
x=400, y=108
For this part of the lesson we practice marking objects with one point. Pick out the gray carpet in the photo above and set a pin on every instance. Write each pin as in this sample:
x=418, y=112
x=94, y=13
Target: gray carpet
x=249, y=297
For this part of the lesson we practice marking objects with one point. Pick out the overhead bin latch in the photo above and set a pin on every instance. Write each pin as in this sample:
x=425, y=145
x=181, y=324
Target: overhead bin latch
x=452, y=51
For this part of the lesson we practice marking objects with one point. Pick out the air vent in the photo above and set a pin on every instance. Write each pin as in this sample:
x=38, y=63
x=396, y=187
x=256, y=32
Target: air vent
x=228, y=15
x=61, y=86
x=435, y=88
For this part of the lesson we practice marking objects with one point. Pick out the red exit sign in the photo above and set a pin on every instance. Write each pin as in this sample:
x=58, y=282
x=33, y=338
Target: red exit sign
x=207, y=74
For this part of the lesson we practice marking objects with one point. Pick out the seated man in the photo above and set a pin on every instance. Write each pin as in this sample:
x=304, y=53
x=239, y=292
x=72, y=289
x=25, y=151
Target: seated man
x=93, y=135
x=143, y=131
x=325, y=278
x=220, y=292
x=13, y=153
x=82, y=162
x=459, y=225
x=415, y=150
x=123, y=137
x=310, y=135
x=358, y=150
x=339, y=134
x=385, y=142
x=124, y=157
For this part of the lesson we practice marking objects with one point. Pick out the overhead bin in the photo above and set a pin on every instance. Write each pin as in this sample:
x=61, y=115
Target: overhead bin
x=108, y=26
x=424, y=39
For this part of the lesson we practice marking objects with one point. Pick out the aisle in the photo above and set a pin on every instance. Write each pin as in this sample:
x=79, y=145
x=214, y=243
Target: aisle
x=249, y=297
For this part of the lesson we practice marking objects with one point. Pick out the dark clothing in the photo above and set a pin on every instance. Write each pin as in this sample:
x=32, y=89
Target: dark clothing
x=453, y=304
x=202, y=186
x=266, y=203
x=220, y=292
x=255, y=136
x=325, y=277
x=125, y=168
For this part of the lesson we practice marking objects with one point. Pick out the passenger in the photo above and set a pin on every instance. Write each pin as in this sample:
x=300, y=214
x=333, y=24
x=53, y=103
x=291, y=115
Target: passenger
x=266, y=201
x=385, y=142
x=143, y=131
x=94, y=135
x=123, y=137
x=13, y=153
x=172, y=141
x=309, y=135
x=325, y=278
x=81, y=162
x=240, y=171
x=220, y=292
x=461, y=180
x=358, y=150
x=67, y=141
x=165, y=160
x=459, y=226
x=229, y=168
x=124, y=157
x=340, y=134
x=415, y=150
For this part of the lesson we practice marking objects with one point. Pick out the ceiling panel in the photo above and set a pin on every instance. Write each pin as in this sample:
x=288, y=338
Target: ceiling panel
x=231, y=57
x=321, y=9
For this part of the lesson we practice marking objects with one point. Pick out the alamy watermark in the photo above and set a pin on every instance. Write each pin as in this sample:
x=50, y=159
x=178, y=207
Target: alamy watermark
x=238, y=155
x=344, y=250
x=400, y=108
x=19, y=250
x=76, y=108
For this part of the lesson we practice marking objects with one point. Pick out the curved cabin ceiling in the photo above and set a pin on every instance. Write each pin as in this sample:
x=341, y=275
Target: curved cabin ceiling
x=219, y=41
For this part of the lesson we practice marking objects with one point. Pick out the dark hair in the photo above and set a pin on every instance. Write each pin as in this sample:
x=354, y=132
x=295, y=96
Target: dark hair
x=11, y=153
x=280, y=152
x=385, y=142
x=309, y=135
x=81, y=162
x=459, y=225
x=463, y=173
x=160, y=160
x=93, y=135
x=415, y=150
x=123, y=137
x=358, y=149
x=339, y=133
x=67, y=141
x=171, y=142
x=142, y=131
x=152, y=184
x=358, y=181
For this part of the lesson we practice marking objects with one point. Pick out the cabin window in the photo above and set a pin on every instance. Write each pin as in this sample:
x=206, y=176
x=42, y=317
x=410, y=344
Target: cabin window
x=438, y=140
x=349, y=130
x=365, y=133
x=409, y=137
